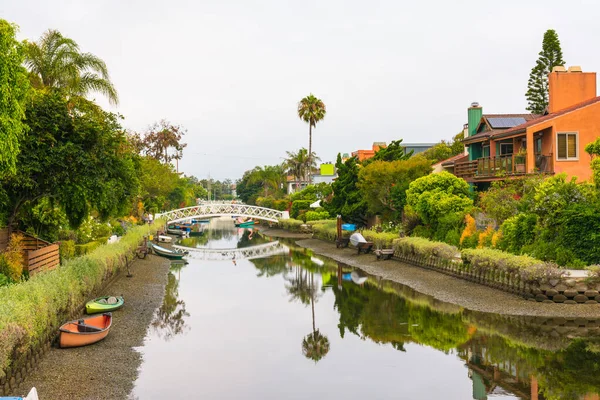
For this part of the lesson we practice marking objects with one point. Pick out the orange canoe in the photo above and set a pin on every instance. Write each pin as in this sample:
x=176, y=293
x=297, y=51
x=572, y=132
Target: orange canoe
x=85, y=331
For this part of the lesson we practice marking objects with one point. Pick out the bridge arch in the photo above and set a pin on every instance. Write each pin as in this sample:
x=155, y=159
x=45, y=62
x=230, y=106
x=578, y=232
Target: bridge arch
x=223, y=209
x=248, y=253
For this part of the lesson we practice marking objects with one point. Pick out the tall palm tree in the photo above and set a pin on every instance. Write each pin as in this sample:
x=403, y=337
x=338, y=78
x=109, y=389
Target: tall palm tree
x=55, y=61
x=311, y=110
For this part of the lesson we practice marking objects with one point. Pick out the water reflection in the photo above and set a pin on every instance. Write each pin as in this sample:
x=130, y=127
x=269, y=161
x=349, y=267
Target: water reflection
x=169, y=319
x=484, y=355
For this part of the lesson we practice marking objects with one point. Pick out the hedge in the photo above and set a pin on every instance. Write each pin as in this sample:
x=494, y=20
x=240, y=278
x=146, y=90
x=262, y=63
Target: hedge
x=290, y=224
x=316, y=215
x=32, y=310
x=420, y=247
x=530, y=269
x=299, y=205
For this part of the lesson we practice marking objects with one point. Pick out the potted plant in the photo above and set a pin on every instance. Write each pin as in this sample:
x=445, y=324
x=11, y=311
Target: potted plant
x=520, y=159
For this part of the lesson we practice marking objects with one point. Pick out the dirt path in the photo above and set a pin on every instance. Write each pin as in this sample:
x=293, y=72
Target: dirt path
x=108, y=369
x=466, y=294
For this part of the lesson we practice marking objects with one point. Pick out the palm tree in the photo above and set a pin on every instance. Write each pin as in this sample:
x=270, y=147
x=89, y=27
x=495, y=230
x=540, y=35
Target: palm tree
x=270, y=177
x=315, y=345
x=299, y=164
x=55, y=61
x=311, y=110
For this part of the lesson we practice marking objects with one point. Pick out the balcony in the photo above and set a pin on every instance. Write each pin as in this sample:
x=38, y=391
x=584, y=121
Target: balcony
x=493, y=168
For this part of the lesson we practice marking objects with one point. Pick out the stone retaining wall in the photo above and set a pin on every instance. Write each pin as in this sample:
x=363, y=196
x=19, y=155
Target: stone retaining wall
x=565, y=290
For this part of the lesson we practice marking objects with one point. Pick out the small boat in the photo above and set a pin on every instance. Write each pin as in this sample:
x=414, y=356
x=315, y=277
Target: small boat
x=32, y=395
x=168, y=253
x=178, y=232
x=104, y=304
x=85, y=331
x=200, y=221
x=245, y=224
x=164, y=238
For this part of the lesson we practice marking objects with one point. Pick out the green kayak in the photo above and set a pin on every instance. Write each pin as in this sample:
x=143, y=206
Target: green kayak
x=104, y=304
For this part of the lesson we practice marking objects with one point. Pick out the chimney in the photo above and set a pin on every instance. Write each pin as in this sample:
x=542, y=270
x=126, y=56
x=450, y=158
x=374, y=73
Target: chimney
x=474, y=114
x=569, y=87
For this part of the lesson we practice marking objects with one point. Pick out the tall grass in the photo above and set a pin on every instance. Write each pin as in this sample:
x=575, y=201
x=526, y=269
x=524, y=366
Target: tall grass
x=29, y=311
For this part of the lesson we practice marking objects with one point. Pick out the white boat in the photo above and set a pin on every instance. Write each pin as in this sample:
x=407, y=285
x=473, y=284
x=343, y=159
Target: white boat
x=31, y=396
x=164, y=239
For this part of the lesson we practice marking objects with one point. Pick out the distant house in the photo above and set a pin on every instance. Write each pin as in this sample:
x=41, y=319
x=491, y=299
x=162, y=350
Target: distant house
x=509, y=145
x=416, y=148
x=326, y=174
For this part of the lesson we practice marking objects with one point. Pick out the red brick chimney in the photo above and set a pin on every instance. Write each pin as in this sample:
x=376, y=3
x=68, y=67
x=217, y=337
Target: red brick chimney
x=567, y=88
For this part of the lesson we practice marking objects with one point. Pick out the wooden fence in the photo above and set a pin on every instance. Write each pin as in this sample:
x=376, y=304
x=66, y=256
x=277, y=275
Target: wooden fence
x=45, y=259
x=38, y=255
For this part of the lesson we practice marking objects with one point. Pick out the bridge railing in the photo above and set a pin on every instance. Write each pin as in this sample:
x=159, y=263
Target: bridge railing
x=223, y=209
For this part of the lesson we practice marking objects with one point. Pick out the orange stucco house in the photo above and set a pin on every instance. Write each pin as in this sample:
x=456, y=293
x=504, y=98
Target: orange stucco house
x=552, y=143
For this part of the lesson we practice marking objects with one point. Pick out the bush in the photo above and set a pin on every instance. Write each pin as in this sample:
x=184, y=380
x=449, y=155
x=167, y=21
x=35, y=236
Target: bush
x=4, y=280
x=325, y=230
x=67, y=250
x=290, y=224
x=265, y=202
x=31, y=310
x=380, y=239
x=530, y=269
x=82, y=249
x=316, y=216
x=281, y=205
x=517, y=232
x=11, y=261
x=414, y=246
x=299, y=205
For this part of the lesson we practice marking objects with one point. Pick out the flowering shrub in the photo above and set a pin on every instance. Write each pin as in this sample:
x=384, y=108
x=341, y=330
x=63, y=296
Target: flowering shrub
x=11, y=261
x=469, y=231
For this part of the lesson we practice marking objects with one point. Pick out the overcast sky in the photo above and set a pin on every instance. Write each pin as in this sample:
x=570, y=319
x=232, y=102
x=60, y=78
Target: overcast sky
x=232, y=72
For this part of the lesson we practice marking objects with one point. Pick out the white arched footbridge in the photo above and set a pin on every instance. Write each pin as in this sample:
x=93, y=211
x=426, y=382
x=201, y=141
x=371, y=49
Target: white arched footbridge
x=223, y=209
x=248, y=253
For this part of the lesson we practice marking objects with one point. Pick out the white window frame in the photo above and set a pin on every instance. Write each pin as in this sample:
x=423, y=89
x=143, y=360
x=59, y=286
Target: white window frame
x=576, y=158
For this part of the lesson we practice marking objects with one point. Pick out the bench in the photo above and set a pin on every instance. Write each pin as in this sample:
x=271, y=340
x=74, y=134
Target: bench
x=364, y=246
x=384, y=254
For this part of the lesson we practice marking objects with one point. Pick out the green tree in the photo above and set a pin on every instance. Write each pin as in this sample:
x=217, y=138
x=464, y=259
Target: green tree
x=246, y=190
x=299, y=165
x=437, y=197
x=77, y=156
x=445, y=149
x=56, y=61
x=393, y=152
x=311, y=110
x=537, y=86
x=14, y=87
x=271, y=178
x=157, y=182
x=383, y=184
x=347, y=199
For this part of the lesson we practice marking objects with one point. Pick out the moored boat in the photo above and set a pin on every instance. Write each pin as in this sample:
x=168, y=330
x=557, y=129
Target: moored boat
x=167, y=253
x=85, y=331
x=104, y=304
x=32, y=395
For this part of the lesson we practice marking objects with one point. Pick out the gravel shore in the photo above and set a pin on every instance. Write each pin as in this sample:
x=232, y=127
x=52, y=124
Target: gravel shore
x=457, y=291
x=108, y=369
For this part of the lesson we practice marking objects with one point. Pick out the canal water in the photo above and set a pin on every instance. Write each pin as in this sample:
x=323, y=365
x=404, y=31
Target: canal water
x=253, y=318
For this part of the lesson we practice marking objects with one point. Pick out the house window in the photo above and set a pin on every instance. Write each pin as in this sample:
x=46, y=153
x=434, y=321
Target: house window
x=486, y=150
x=566, y=146
x=506, y=148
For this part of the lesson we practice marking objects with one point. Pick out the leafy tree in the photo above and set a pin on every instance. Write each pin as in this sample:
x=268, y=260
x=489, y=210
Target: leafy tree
x=347, y=199
x=246, y=190
x=537, y=86
x=157, y=182
x=161, y=137
x=271, y=178
x=500, y=201
x=593, y=149
x=14, y=87
x=77, y=156
x=383, y=184
x=393, y=152
x=300, y=165
x=439, y=196
x=56, y=61
x=311, y=110
x=444, y=149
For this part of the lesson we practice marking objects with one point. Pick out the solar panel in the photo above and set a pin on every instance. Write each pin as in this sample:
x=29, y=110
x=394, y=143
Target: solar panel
x=506, y=122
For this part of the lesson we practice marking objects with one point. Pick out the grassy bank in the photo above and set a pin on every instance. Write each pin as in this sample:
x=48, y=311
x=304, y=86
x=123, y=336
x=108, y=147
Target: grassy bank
x=32, y=310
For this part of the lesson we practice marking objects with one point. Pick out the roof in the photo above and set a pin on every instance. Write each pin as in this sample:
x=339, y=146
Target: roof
x=452, y=160
x=478, y=137
x=539, y=120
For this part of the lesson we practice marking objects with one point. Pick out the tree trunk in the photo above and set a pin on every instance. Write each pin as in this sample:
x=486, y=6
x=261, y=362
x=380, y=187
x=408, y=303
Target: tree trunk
x=309, y=152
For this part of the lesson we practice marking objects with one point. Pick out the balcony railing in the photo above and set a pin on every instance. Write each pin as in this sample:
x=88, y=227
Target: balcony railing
x=505, y=165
